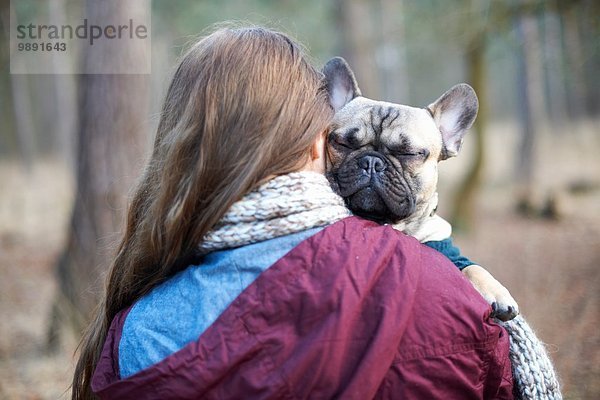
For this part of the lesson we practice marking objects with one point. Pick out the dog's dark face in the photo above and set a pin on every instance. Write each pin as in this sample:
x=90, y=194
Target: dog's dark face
x=382, y=156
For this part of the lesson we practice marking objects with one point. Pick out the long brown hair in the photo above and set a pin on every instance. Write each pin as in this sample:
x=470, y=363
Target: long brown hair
x=244, y=105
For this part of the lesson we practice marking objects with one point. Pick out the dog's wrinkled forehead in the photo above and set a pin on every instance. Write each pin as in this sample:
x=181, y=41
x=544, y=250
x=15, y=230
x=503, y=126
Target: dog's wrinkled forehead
x=366, y=120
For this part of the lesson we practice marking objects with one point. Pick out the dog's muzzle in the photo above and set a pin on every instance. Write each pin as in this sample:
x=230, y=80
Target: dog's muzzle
x=373, y=189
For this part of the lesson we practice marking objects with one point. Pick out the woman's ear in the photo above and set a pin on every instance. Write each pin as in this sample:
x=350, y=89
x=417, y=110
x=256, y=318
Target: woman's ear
x=317, y=161
x=318, y=147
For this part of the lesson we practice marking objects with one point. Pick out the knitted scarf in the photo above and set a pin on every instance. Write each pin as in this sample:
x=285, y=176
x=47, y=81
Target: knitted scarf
x=299, y=201
x=284, y=205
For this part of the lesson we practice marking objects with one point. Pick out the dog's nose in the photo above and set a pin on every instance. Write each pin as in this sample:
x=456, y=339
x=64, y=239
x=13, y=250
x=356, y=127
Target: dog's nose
x=371, y=163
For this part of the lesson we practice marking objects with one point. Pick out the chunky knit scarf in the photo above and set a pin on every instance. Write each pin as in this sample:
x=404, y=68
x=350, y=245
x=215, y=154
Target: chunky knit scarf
x=299, y=201
x=533, y=373
x=284, y=205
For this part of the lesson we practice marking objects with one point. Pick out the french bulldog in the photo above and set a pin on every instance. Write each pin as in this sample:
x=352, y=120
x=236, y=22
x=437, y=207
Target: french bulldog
x=383, y=160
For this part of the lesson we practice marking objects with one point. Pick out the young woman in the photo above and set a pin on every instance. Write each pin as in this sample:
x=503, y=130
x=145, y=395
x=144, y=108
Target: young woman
x=242, y=275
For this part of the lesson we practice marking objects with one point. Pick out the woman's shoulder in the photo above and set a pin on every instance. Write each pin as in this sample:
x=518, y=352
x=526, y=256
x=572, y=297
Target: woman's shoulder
x=176, y=312
x=351, y=253
x=364, y=238
x=442, y=301
x=367, y=252
x=372, y=242
x=161, y=322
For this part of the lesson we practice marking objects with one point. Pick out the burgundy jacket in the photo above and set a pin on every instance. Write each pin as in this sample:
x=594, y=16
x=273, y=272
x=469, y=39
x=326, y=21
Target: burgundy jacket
x=357, y=311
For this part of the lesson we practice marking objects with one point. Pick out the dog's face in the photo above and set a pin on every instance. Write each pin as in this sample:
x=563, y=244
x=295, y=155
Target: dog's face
x=382, y=156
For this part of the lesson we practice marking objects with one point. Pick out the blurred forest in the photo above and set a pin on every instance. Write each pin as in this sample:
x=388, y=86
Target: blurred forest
x=524, y=196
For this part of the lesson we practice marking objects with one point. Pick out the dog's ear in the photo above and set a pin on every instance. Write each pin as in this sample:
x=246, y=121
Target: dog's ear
x=454, y=113
x=341, y=83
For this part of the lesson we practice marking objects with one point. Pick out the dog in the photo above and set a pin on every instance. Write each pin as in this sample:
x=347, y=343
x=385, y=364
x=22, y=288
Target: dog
x=383, y=160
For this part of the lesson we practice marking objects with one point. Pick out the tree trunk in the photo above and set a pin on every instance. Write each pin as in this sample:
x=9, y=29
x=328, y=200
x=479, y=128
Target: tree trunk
x=575, y=56
x=556, y=85
x=22, y=111
x=590, y=31
x=357, y=42
x=464, y=201
x=7, y=141
x=63, y=94
x=531, y=109
x=391, y=52
x=112, y=124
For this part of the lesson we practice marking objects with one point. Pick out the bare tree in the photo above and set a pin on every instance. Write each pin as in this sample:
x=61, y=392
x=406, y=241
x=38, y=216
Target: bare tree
x=475, y=45
x=112, y=119
x=530, y=106
x=575, y=56
x=357, y=41
x=463, y=207
x=22, y=109
x=553, y=60
x=391, y=51
x=531, y=101
x=63, y=93
x=371, y=36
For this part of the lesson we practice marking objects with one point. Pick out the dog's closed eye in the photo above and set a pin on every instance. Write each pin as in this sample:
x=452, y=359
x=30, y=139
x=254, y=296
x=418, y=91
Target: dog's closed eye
x=405, y=152
x=337, y=140
x=348, y=139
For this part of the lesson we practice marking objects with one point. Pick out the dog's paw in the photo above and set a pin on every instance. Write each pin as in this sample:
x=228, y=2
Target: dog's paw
x=504, y=307
x=503, y=311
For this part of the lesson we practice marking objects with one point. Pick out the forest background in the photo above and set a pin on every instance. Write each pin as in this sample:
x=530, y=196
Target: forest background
x=524, y=196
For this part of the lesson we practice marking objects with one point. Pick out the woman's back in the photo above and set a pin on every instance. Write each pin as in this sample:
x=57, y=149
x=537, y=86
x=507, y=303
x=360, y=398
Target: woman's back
x=327, y=320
